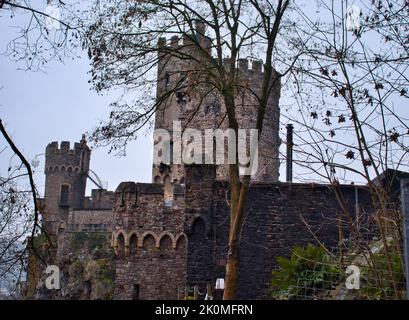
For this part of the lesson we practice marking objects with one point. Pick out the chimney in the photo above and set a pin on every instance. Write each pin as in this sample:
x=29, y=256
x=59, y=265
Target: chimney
x=289, y=165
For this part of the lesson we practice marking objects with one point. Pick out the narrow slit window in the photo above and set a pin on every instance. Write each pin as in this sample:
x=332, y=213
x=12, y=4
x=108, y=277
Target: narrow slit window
x=135, y=292
x=65, y=191
x=167, y=80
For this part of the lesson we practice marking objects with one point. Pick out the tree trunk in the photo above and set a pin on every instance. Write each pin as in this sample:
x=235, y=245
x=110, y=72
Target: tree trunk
x=236, y=224
x=232, y=271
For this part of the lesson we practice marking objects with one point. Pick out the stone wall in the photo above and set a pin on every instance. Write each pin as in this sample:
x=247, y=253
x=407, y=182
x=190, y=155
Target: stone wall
x=149, y=242
x=186, y=96
x=144, y=243
x=141, y=207
x=89, y=220
x=100, y=199
x=276, y=220
x=278, y=217
x=68, y=168
x=153, y=269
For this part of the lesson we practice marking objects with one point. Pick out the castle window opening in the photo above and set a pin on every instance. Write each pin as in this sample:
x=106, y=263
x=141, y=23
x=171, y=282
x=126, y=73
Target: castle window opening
x=183, y=80
x=61, y=228
x=123, y=198
x=168, y=206
x=135, y=295
x=64, y=195
x=213, y=108
x=133, y=244
x=167, y=80
x=181, y=98
x=171, y=150
x=83, y=164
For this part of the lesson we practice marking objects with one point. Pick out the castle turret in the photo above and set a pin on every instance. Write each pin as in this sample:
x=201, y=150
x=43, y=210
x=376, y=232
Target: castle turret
x=187, y=98
x=66, y=173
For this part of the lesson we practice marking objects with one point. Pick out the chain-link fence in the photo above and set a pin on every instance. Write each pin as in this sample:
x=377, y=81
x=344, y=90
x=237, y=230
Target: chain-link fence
x=373, y=270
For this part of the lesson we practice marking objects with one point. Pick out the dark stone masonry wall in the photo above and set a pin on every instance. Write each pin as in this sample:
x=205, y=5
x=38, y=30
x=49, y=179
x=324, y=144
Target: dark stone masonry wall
x=150, y=272
x=276, y=220
x=150, y=246
x=154, y=260
x=89, y=220
x=149, y=243
x=140, y=207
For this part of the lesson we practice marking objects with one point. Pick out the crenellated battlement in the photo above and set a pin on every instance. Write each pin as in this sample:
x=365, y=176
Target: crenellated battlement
x=129, y=191
x=177, y=42
x=187, y=41
x=198, y=36
x=65, y=147
x=248, y=67
x=54, y=148
x=63, y=157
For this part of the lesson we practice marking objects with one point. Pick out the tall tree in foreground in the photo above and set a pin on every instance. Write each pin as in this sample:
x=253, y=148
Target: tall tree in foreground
x=124, y=52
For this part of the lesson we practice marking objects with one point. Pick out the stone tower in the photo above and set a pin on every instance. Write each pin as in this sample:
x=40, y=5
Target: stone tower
x=198, y=110
x=66, y=173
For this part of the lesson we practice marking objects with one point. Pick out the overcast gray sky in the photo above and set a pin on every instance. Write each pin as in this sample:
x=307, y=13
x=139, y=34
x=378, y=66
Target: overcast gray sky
x=40, y=107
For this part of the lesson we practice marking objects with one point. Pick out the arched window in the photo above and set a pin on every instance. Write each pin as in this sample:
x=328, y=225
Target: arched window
x=133, y=244
x=181, y=243
x=120, y=246
x=165, y=244
x=149, y=244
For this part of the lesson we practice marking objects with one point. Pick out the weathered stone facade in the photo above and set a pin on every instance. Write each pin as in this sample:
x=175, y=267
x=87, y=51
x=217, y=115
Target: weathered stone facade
x=185, y=97
x=279, y=216
x=66, y=172
x=153, y=249
x=153, y=240
x=149, y=242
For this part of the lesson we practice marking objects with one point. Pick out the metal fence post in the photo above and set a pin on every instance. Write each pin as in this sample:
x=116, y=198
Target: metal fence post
x=404, y=185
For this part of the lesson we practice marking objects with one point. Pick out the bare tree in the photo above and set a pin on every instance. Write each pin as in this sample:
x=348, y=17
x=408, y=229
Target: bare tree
x=44, y=31
x=39, y=36
x=19, y=212
x=350, y=89
x=123, y=46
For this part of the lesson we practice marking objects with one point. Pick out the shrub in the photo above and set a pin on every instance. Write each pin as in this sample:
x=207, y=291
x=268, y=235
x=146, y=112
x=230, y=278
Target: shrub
x=309, y=272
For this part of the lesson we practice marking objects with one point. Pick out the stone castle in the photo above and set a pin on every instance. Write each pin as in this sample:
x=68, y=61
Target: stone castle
x=159, y=240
